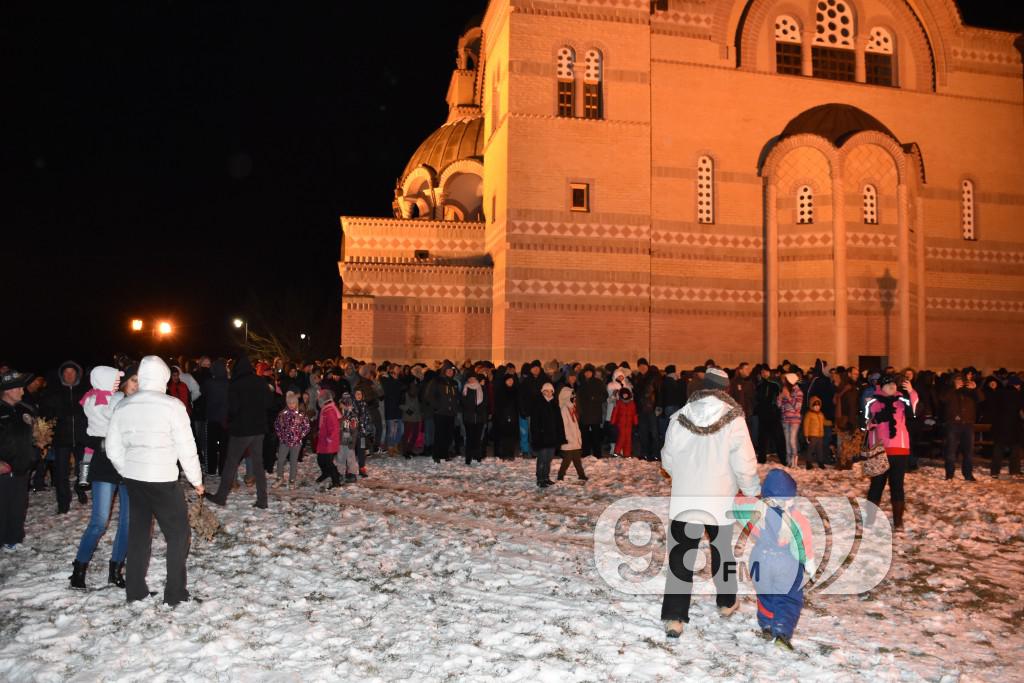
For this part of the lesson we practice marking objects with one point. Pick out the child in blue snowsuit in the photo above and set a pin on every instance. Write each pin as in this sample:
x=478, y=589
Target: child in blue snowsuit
x=781, y=553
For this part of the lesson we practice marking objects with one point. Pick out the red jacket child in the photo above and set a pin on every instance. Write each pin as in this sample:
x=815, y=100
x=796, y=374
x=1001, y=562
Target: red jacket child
x=624, y=418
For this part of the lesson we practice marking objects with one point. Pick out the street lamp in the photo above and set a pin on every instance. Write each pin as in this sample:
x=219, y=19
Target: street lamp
x=136, y=325
x=164, y=328
x=239, y=324
x=302, y=336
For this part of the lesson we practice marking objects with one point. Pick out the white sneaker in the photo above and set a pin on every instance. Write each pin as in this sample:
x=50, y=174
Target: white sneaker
x=674, y=628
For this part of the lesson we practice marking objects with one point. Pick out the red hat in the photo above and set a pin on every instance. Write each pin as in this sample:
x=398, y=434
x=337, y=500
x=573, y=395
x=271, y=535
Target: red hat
x=262, y=368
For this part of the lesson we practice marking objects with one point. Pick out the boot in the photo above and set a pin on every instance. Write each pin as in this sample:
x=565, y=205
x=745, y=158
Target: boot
x=116, y=574
x=78, y=574
x=897, y=514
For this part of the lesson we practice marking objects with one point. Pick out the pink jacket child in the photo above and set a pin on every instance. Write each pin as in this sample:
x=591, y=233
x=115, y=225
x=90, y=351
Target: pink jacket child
x=291, y=427
x=329, y=438
x=887, y=420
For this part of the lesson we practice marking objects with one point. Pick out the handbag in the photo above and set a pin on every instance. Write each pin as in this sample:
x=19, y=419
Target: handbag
x=873, y=461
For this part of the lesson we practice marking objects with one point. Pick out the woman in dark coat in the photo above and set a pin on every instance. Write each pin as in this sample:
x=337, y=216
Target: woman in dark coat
x=473, y=402
x=506, y=416
x=547, y=432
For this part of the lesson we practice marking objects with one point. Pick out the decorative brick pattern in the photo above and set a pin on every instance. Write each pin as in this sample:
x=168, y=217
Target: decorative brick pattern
x=808, y=240
x=567, y=288
x=603, y=231
x=688, y=294
x=702, y=240
x=979, y=255
x=871, y=239
x=988, y=305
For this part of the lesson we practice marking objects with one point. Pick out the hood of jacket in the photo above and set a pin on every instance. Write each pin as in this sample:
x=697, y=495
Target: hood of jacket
x=64, y=366
x=565, y=397
x=708, y=411
x=153, y=374
x=242, y=367
x=102, y=377
x=778, y=484
x=219, y=369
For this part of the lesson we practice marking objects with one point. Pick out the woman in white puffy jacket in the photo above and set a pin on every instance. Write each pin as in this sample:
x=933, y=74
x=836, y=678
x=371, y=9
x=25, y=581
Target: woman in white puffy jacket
x=149, y=436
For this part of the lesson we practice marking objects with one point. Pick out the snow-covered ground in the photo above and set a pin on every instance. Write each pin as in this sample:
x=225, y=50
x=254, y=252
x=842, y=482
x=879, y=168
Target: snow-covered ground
x=429, y=572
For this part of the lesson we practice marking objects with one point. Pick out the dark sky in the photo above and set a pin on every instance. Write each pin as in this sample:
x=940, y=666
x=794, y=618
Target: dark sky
x=190, y=160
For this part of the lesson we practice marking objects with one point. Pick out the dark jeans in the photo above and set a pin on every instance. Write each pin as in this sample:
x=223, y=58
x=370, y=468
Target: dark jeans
x=328, y=470
x=474, y=442
x=1001, y=450
x=165, y=501
x=898, y=465
x=682, y=549
x=444, y=432
x=959, y=438
x=648, y=435
x=216, y=447
x=571, y=458
x=238, y=446
x=61, y=472
x=592, y=435
x=544, y=456
x=13, y=508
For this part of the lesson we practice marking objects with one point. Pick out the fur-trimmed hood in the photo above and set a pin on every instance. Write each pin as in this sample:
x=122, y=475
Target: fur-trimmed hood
x=708, y=411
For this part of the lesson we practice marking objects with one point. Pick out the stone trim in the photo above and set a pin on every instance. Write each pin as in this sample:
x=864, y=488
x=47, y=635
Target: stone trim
x=713, y=240
x=707, y=294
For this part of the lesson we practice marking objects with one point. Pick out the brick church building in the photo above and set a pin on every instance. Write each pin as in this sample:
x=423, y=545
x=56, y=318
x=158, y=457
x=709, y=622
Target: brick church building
x=679, y=179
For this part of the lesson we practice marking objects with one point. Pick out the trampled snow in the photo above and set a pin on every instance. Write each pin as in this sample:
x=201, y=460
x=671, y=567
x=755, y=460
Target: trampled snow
x=427, y=572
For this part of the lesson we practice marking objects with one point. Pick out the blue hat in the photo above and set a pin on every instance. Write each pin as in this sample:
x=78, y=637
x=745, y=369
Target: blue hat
x=778, y=484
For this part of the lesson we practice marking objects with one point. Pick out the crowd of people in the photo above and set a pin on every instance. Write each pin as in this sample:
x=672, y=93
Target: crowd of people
x=208, y=416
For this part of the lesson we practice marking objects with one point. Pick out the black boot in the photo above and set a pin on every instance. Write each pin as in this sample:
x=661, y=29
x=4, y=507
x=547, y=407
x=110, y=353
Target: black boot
x=78, y=574
x=116, y=574
x=80, y=492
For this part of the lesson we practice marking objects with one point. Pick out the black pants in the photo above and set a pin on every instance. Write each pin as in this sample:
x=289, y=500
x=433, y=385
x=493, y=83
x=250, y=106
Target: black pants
x=328, y=470
x=238, y=446
x=13, y=508
x=682, y=551
x=61, y=472
x=897, y=470
x=648, y=433
x=1002, y=449
x=505, y=446
x=474, y=442
x=444, y=432
x=770, y=438
x=571, y=458
x=216, y=446
x=592, y=435
x=165, y=501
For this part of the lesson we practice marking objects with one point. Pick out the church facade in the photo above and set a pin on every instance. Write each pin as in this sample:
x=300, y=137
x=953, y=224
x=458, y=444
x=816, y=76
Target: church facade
x=684, y=179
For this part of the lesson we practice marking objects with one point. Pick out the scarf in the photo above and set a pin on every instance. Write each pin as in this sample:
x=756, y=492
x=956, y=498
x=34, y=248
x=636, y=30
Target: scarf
x=887, y=413
x=101, y=396
x=479, y=392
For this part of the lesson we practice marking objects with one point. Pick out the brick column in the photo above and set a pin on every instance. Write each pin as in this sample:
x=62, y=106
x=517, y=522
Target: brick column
x=860, y=71
x=841, y=306
x=771, y=272
x=921, y=292
x=903, y=288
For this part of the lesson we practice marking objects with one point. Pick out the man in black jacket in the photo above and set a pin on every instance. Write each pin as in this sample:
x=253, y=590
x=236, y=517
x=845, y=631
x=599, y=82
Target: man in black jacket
x=17, y=457
x=443, y=398
x=960, y=412
x=249, y=399
x=1007, y=426
x=63, y=402
x=590, y=399
x=671, y=398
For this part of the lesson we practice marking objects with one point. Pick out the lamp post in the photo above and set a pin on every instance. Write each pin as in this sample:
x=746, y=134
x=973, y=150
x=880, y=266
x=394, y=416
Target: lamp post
x=239, y=324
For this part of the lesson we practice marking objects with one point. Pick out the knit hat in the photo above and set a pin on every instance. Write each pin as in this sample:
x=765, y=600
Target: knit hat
x=715, y=378
x=625, y=394
x=641, y=361
x=548, y=386
x=670, y=369
x=791, y=377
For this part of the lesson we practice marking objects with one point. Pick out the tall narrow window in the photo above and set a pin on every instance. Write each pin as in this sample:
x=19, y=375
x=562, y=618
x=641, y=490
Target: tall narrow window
x=592, y=106
x=579, y=196
x=705, y=190
x=805, y=205
x=832, y=51
x=788, y=41
x=967, y=209
x=870, y=205
x=878, y=57
x=566, y=72
x=495, y=97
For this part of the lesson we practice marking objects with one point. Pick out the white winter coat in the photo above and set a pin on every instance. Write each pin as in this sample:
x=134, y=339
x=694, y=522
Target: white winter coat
x=709, y=456
x=573, y=437
x=97, y=415
x=150, y=432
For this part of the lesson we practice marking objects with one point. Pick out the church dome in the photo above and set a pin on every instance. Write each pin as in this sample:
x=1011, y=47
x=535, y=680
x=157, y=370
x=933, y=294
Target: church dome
x=834, y=122
x=454, y=141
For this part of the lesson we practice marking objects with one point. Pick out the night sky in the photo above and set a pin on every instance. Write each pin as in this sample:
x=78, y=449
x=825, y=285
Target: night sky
x=189, y=161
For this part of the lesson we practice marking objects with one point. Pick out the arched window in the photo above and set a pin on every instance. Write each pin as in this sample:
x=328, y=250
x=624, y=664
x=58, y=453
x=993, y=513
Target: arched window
x=788, y=39
x=878, y=56
x=566, y=72
x=870, y=205
x=592, y=105
x=832, y=51
x=967, y=209
x=705, y=190
x=805, y=205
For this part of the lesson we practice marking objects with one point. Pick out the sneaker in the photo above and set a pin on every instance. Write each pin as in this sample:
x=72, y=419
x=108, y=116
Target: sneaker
x=543, y=484
x=10, y=546
x=261, y=506
x=674, y=628
x=782, y=642
x=213, y=499
x=970, y=478
x=362, y=472
x=350, y=477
